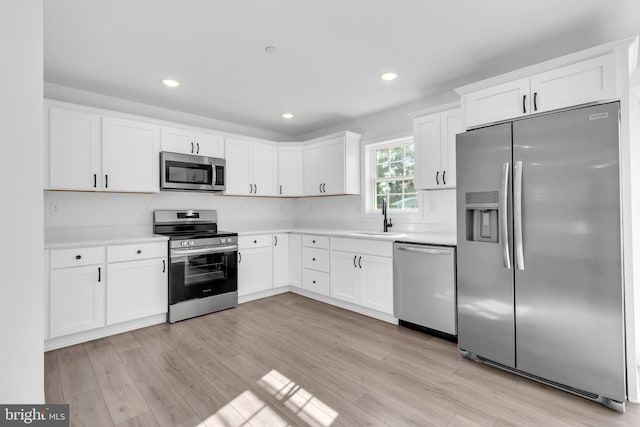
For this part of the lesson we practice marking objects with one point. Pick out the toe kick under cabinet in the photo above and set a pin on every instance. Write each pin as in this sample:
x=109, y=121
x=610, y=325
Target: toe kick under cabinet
x=98, y=291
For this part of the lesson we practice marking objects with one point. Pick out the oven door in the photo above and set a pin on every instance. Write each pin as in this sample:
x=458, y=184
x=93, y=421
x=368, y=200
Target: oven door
x=187, y=172
x=202, y=272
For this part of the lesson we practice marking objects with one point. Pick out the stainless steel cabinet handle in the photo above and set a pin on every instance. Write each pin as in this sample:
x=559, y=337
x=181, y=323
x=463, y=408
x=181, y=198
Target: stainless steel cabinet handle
x=276, y=240
x=425, y=250
x=535, y=101
x=524, y=107
x=192, y=148
x=198, y=148
x=256, y=188
x=324, y=187
x=354, y=261
x=517, y=215
x=164, y=266
x=360, y=262
x=504, y=229
x=437, y=174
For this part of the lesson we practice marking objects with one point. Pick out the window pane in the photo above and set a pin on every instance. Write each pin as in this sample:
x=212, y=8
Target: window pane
x=382, y=171
x=395, y=186
x=396, y=154
x=396, y=169
x=409, y=167
x=408, y=151
x=411, y=201
x=395, y=201
x=408, y=186
x=379, y=200
x=382, y=187
x=382, y=155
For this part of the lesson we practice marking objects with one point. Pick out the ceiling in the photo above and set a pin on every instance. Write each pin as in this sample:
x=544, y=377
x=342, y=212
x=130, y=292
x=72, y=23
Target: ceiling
x=330, y=53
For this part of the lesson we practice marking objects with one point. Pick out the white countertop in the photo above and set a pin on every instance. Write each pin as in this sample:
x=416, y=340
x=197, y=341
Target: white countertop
x=400, y=236
x=73, y=237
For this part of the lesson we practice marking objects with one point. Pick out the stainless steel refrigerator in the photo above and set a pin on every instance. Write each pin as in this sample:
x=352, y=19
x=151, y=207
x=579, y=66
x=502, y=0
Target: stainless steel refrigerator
x=539, y=267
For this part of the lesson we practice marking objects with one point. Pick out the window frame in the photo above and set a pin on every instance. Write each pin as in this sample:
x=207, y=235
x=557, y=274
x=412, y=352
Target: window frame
x=369, y=178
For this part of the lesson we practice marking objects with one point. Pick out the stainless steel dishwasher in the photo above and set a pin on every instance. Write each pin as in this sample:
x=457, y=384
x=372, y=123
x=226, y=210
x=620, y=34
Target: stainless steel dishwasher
x=424, y=288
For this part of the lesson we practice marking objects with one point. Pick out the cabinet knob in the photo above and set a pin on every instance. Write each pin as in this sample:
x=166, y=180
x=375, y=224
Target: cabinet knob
x=78, y=256
x=255, y=241
x=314, y=282
x=139, y=252
x=313, y=259
x=314, y=241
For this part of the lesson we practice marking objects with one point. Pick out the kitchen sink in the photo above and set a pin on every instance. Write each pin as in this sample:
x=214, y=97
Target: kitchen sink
x=377, y=234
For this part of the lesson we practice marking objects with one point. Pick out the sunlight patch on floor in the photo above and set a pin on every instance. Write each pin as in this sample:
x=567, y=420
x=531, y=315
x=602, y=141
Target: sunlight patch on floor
x=305, y=405
x=246, y=409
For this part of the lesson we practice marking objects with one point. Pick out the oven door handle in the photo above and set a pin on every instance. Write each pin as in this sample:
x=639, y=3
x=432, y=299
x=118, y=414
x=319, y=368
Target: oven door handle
x=203, y=251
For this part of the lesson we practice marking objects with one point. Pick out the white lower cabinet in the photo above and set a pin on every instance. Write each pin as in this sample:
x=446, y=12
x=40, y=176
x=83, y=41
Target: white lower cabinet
x=76, y=299
x=364, y=274
x=295, y=260
x=136, y=289
x=281, y=275
x=315, y=263
x=255, y=264
x=87, y=291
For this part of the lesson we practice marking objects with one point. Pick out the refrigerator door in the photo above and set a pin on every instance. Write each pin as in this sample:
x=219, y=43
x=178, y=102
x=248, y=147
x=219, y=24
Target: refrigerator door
x=569, y=294
x=485, y=285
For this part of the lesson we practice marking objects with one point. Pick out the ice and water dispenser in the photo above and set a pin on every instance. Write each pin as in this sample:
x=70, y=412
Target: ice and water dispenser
x=482, y=216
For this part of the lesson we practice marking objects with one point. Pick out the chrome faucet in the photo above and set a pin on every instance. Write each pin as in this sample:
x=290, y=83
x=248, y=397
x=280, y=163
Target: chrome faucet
x=387, y=222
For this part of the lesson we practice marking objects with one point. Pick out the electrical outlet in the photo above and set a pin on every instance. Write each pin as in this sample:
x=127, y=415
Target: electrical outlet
x=54, y=208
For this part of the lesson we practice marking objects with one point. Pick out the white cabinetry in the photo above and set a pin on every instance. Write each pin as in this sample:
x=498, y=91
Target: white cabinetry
x=290, y=171
x=315, y=263
x=434, y=135
x=331, y=165
x=76, y=291
x=251, y=168
x=255, y=264
x=137, y=284
x=362, y=273
x=185, y=141
x=123, y=157
x=281, y=260
x=295, y=260
x=508, y=97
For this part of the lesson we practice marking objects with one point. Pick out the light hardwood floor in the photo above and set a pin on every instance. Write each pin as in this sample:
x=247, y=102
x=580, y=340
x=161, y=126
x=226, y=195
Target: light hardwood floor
x=289, y=360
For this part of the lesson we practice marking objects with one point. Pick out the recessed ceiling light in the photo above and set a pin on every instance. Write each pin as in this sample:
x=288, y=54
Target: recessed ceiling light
x=171, y=83
x=388, y=76
x=287, y=115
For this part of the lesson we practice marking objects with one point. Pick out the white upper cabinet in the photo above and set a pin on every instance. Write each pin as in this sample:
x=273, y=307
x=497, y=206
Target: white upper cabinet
x=185, y=141
x=434, y=137
x=251, y=168
x=539, y=89
x=290, y=171
x=331, y=165
x=74, y=150
x=130, y=153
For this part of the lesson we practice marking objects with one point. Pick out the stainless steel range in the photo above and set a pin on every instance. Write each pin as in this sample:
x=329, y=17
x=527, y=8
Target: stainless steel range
x=203, y=268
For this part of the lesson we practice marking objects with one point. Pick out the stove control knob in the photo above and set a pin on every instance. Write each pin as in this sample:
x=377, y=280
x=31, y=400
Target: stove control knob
x=223, y=240
x=191, y=243
x=184, y=243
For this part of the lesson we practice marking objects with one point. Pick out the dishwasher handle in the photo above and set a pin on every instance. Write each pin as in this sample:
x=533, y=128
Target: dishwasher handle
x=430, y=251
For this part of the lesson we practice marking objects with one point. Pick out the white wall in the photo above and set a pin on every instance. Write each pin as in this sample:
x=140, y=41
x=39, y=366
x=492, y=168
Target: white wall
x=21, y=263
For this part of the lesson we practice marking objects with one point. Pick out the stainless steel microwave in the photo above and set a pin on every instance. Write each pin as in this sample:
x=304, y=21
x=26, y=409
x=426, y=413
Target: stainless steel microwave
x=186, y=172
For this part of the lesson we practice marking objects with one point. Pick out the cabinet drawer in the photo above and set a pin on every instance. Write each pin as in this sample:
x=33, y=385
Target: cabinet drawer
x=316, y=281
x=136, y=251
x=312, y=241
x=375, y=247
x=315, y=259
x=77, y=257
x=257, y=241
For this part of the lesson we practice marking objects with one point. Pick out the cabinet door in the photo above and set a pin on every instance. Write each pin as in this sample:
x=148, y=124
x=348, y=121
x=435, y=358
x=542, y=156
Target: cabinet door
x=76, y=299
x=333, y=169
x=505, y=101
x=136, y=289
x=290, y=171
x=209, y=145
x=295, y=260
x=74, y=150
x=345, y=276
x=575, y=84
x=450, y=126
x=426, y=134
x=255, y=270
x=130, y=156
x=178, y=140
x=238, y=167
x=376, y=291
x=312, y=158
x=280, y=260
x=264, y=169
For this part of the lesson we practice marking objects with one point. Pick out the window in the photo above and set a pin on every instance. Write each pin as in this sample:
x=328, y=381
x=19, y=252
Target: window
x=391, y=176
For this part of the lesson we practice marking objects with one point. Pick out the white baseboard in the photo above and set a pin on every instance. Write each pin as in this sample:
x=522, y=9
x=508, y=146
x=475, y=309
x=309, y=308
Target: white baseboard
x=106, y=331
x=263, y=294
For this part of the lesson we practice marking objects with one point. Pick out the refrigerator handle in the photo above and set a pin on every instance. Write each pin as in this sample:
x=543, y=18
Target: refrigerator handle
x=504, y=228
x=517, y=214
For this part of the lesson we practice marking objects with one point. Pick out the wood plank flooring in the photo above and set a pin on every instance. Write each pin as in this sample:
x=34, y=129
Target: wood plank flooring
x=289, y=360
